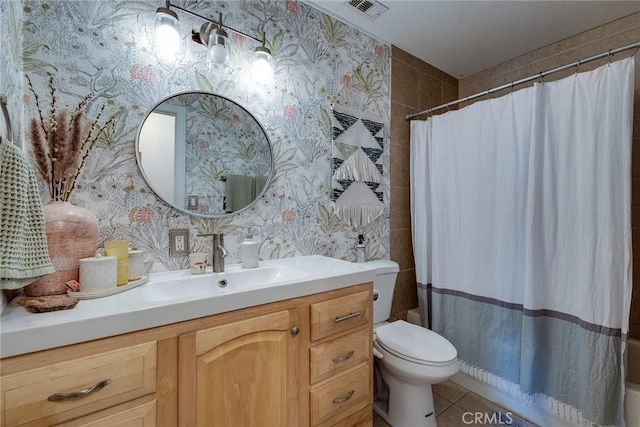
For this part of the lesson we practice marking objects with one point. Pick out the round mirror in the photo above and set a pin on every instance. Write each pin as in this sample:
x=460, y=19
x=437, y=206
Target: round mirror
x=204, y=154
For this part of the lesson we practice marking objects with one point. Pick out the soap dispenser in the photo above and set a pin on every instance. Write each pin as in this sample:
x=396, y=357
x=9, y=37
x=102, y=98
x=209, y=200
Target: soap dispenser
x=360, y=249
x=249, y=251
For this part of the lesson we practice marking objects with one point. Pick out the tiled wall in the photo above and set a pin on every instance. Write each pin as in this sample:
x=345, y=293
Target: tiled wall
x=600, y=39
x=415, y=86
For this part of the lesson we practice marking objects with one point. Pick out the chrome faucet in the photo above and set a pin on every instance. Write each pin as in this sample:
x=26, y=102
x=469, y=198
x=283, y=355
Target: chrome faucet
x=219, y=252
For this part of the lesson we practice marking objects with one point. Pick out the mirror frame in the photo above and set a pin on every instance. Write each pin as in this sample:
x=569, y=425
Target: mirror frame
x=184, y=209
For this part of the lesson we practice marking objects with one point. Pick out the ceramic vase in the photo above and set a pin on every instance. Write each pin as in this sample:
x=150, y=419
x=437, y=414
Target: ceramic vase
x=72, y=234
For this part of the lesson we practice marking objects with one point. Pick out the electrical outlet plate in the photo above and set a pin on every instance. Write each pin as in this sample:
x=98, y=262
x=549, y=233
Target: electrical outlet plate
x=178, y=242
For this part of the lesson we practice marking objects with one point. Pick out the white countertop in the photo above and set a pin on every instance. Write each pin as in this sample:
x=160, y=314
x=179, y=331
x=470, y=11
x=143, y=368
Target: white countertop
x=136, y=309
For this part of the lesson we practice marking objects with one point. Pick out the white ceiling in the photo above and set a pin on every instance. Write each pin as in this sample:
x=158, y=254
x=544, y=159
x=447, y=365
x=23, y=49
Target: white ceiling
x=464, y=37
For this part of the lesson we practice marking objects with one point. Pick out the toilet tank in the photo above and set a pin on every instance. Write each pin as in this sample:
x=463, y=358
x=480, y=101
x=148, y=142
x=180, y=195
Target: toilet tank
x=384, y=283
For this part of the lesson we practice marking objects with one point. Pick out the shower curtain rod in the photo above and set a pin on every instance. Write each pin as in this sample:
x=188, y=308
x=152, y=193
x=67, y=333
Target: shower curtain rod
x=540, y=75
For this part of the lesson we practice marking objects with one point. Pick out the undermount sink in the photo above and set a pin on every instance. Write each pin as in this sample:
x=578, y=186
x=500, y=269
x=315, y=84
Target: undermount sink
x=184, y=285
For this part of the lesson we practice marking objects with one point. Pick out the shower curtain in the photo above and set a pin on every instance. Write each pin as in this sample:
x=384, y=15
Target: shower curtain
x=522, y=235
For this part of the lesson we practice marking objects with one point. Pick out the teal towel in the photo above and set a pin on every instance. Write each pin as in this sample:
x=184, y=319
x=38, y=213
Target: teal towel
x=258, y=184
x=239, y=192
x=24, y=255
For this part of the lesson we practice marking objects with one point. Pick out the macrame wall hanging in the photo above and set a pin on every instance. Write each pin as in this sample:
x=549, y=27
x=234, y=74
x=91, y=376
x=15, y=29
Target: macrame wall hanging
x=356, y=167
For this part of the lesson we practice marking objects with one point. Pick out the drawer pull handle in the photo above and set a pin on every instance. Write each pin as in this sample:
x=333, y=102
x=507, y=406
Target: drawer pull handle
x=80, y=393
x=344, y=399
x=343, y=358
x=347, y=317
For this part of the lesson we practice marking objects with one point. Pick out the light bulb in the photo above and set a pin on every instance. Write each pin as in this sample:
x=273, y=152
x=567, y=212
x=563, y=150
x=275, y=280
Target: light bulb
x=166, y=36
x=262, y=70
x=219, y=47
x=218, y=54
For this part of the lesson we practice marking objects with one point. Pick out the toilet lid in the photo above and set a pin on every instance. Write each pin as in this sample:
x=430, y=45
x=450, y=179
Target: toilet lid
x=416, y=343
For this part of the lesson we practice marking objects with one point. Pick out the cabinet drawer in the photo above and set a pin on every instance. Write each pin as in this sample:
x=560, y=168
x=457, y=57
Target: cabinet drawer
x=335, y=356
x=362, y=418
x=341, y=396
x=125, y=374
x=143, y=415
x=340, y=314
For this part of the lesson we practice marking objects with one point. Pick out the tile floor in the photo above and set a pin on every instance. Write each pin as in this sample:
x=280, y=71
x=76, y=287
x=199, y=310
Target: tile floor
x=452, y=401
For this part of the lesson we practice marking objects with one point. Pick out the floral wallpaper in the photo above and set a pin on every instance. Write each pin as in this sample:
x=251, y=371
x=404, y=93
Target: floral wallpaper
x=10, y=65
x=104, y=48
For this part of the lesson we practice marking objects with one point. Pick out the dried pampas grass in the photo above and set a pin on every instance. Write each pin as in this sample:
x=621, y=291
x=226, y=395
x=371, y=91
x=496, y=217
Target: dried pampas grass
x=61, y=141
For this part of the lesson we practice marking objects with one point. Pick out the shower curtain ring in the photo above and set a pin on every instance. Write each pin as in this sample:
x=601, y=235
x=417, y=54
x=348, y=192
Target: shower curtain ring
x=541, y=77
x=609, y=57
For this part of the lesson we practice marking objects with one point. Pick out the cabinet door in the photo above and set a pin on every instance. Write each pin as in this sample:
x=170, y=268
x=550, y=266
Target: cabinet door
x=241, y=374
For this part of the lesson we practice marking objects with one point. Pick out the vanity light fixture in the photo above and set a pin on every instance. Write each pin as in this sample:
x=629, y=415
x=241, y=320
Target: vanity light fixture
x=166, y=35
x=262, y=68
x=213, y=35
x=219, y=46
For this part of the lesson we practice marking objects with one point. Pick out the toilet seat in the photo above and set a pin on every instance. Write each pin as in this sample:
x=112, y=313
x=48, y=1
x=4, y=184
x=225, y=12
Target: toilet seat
x=416, y=344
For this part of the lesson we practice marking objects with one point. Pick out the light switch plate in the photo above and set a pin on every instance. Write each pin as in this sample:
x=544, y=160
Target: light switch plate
x=178, y=242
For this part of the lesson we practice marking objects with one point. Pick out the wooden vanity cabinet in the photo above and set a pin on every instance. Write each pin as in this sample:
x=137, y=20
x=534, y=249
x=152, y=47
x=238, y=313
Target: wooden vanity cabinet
x=301, y=362
x=241, y=373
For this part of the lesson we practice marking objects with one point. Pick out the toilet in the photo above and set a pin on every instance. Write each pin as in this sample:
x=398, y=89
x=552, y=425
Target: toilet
x=408, y=359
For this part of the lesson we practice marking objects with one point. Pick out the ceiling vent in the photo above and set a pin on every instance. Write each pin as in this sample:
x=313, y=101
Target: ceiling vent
x=371, y=8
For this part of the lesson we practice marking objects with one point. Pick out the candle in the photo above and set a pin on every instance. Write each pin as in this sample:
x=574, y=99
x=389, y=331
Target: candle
x=98, y=274
x=120, y=250
x=136, y=264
